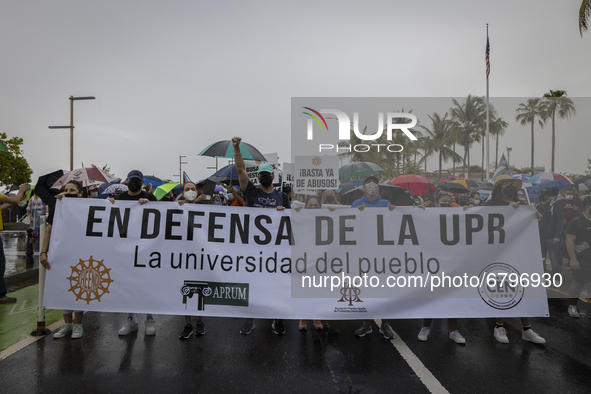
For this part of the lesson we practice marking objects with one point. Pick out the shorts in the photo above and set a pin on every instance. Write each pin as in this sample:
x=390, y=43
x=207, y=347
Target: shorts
x=583, y=275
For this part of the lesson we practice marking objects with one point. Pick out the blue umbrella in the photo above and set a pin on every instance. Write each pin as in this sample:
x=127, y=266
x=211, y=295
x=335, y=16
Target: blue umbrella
x=225, y=174
x=155, y=181
x=548, y=184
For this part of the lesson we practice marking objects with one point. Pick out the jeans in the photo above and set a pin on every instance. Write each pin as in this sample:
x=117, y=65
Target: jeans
x=2, y=269
x=553, y=250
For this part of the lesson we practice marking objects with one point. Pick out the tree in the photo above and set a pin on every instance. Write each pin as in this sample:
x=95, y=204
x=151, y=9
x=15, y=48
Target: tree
x=440, y=138
x=584, y=15
x=469, y=118
x=557, y=103
x=14, y=168
x=497, y=129
x=527, y=114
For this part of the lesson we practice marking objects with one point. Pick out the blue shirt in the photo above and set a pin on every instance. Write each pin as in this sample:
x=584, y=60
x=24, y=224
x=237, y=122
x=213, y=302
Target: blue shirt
x=262, y=199
x=378, y=202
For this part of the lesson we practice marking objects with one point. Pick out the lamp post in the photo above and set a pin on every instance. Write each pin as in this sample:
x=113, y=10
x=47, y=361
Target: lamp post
x=71, y=126
x=509, y=149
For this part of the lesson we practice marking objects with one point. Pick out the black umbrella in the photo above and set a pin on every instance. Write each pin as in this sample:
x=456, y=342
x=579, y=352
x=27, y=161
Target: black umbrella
x=454, y=187
x=581, y=179
x=43, y=187
x=226, y=149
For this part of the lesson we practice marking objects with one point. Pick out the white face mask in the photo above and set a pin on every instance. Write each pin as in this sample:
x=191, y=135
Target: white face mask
x=190, y=195
x=477, y=202
x=371, y=188
x=569, y=196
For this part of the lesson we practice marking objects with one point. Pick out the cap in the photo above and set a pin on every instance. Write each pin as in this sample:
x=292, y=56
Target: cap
x=265, y=167
x=371, y=178
x=135, y=174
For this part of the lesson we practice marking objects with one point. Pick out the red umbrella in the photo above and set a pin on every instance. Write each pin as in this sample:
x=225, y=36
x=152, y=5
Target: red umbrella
x=85, y=176
x=449, y=179
x=416, y=184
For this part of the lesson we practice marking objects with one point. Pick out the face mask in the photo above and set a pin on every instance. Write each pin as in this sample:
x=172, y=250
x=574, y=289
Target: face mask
x=190, y=195
x=509, y=191
x=71, y=195
x=216, y=203
x=266, y=180
x=477, y=202
x=569, y=196
x=94, y=195
x=134, y=185
x=371, y=188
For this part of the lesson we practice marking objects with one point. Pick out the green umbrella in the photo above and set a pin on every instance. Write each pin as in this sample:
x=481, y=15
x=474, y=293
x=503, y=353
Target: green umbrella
x=164, y=189
x=359, y=170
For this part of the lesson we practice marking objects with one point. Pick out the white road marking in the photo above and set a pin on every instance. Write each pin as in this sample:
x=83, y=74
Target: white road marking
x=9, y=351
x=432, y=384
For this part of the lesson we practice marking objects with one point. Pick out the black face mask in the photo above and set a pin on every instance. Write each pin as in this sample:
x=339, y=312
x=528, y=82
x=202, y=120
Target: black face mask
x=509, y=191
x=266, y=180
x=71, y=195
x=329, y=199
x=445, y=205
x=134, y=185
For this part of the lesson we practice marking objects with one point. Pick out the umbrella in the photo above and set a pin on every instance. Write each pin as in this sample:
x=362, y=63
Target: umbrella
x=112, y=189
x=583, y=187
x=548, y=176
x=398, y=197
x=84, y=175
x=468, y=183
x=359, y=170
x=164, y=189
x=548, y=184
x=226, y=175
x=449, y=179
x=226, y=149
x=416, y=184
x=523, y=177
x=345, y=187
x=43, y=186
x=581, y=179
x=155, y=181
x=455, y=187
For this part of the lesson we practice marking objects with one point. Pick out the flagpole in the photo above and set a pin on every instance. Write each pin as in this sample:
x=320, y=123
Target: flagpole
x=487, y=108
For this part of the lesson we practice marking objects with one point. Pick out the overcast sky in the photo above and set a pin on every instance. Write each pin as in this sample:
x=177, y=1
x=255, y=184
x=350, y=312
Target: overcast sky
x=171, y=77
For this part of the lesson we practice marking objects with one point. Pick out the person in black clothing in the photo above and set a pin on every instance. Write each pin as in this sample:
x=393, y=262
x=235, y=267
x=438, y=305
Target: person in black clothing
x=505, y=193
x=135, y=180
x=578, y=245
x=550, y=223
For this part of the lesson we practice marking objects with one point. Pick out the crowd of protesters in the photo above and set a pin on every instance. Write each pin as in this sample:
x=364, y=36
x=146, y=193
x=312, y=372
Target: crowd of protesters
x=564, y=225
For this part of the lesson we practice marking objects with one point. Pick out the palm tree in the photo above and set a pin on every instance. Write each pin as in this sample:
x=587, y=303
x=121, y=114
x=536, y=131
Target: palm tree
x=556, y=102
x=497, y=128
x=527, y=113
x=584, y=15
x=441, y=138
x=469, y=118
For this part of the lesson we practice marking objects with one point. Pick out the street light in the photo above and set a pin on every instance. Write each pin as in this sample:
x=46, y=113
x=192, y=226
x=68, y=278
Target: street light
x=509, y=149
x=71, y=126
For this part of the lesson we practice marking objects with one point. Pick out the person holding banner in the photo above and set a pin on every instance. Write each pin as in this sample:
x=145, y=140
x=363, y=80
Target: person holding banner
x=7, y=201
x=372, y=199
x=443, y=199
x=264, y=196
x=504, y=192
x=135, y=180
x=189, y=195
x=72, y=189
x=578, y=245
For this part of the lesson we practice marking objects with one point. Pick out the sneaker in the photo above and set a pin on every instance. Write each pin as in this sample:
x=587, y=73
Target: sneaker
x=424, y=334
x=278, y=327
x=318, y=326
x=530, y=335
x=386, y=331
x=457, y=337
x=199, y=328
x=187, y=331
x=77, y=331
x=247, y=327
x=7, y=300
x=573, y=311
x=128, y=327
x=501, y=335
x=65, y=330
x=150, y=326
x=363, y=330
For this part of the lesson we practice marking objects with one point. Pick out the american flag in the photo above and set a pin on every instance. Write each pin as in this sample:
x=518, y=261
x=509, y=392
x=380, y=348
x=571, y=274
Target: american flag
x=487, y=58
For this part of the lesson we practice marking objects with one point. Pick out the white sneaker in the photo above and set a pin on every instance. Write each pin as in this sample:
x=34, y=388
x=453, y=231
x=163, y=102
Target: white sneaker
x=65, y=330
x=530, y=335
x=424, y=334
x=457, y=337
x=128, y=327
x=573, y=311
x=77, y=331
x=501, y=335
x=150, y=326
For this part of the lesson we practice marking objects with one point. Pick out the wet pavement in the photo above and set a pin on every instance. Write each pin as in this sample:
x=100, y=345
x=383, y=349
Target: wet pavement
x=223, y=361
x=15, y=250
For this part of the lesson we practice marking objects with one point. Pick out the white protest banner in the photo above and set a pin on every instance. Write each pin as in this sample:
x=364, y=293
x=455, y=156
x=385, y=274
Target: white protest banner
x=315, y=172
x=204, y=260
x=252, y=167
x=287, y=176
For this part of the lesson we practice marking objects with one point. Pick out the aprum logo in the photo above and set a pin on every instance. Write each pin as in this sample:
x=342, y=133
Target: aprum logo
x=214, y=293
x=90, y=280
x=402, y=121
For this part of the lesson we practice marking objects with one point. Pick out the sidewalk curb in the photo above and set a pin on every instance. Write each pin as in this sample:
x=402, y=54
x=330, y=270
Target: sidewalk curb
x=21, y=277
